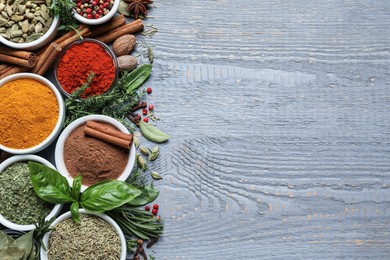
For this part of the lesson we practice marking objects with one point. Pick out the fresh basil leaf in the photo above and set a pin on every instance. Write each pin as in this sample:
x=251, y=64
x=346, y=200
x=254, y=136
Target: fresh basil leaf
x=108, y=195
x=149, y=194
x=74, y=210
x=134, y=79
x=76, y=188
x=24, y=242
x=48, y=184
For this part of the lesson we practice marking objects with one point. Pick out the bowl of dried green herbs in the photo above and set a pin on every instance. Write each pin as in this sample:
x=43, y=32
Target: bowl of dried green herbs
x=95, y=236
x=20, y=207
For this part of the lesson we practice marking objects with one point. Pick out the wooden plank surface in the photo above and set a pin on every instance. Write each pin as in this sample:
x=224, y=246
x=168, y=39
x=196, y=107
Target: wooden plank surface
x=279, y=113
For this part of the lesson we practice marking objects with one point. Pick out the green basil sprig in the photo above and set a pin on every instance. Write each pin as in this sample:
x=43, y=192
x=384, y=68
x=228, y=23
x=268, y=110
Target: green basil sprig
x=135, y=78
x=107, y=195
x=49, y=185
x=52, y=187
x=149, y=194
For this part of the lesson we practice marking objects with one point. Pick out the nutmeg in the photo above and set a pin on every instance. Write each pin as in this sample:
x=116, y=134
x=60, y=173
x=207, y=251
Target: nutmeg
x=124, y=45
x=127, y=62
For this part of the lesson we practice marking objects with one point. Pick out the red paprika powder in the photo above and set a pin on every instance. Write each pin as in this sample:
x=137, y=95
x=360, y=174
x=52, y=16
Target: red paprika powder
x=79, y=61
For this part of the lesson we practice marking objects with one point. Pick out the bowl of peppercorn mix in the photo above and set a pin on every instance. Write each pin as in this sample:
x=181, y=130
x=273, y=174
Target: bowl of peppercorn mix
x=94, y=12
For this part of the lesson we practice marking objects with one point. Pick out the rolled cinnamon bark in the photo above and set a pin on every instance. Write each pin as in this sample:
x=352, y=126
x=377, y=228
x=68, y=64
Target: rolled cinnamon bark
x=111, y=25
x=17, y=53
x=107, y=130
x=13, y=70
x=18, y=61
x=132, y=27
x=106, y=137
x=47, y=59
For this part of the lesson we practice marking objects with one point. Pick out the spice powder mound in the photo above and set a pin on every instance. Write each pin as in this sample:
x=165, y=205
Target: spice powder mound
x=79, y=61
x=95, y=160
x=28, y=114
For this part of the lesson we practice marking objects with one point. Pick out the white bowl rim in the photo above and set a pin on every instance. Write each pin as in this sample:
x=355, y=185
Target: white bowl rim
x=52, y=28
x=103, y=216
x=61, y=113
x=100, y=20
x=21, y=158
x=59, y=150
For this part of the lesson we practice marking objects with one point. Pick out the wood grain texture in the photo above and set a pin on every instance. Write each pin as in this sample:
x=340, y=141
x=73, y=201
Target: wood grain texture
x=279, y=113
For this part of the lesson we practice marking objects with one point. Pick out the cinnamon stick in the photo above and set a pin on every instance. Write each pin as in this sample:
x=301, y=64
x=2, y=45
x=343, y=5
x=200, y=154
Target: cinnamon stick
x=47, y=59
x=13, y=70
x=17, y=53
x=107, y=137
x=18, y=61
x=107, y=130
x=129, y=28
x=113, y=24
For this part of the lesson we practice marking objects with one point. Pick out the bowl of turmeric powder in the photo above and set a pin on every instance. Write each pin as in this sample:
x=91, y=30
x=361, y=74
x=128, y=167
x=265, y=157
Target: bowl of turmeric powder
x=32, y=113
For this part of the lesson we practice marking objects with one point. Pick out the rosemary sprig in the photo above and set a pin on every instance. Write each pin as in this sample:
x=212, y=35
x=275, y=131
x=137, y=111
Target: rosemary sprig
x=137, y=223
x=42, y=227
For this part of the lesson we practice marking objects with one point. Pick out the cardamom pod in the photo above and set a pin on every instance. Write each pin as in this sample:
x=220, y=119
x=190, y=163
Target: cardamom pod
x=156, y=176
x=154, y=153
x=136, y=141
x=142, y=162
x=144, y=150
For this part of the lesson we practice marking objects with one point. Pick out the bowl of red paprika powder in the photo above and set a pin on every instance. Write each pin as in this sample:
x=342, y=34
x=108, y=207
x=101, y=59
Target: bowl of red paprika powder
x=86, y=63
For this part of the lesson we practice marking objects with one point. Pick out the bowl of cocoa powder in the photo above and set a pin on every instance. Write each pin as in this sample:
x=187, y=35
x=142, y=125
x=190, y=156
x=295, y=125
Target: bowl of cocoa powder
x=98, y=148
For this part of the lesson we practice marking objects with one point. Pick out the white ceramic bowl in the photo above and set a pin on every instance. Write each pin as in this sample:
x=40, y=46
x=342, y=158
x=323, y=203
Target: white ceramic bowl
x=61, y=116
x=34, y=45
x=59, y=150
x=100, y=20
x=20, y=158
x=106, y=218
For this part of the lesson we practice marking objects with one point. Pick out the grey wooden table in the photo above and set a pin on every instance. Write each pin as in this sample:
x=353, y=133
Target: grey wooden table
x=279, y=114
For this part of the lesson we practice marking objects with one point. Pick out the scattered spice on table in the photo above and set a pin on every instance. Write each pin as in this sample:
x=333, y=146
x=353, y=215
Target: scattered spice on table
x=94, y=159
x=91, y=238
x=19, y=202
x=28, y=114
x=79, y=61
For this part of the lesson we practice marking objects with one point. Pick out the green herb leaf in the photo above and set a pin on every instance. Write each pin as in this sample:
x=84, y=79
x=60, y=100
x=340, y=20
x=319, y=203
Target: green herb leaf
x=149, y=194
x=5, y=240
x=107, y=195
x=153, y=134
x=76, y=188
x=48, y=184
x=12, y=253
x=74, y=210
x=134, y=79
x=24, y=242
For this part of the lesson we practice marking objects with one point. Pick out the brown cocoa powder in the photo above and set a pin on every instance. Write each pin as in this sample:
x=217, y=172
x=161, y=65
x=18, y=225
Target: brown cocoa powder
x=94, y=159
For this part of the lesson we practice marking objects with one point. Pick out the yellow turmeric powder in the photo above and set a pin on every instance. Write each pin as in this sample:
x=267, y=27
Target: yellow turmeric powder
x=28, y=113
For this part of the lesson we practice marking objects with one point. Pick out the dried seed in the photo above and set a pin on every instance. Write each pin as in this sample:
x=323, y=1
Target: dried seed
x=25, y=25
x=3, y=21
x=9, y=10
x=41, y=20
x=144, y=150
x=29, y=15
x=154, y=153
x=141, y=162
x=2, y=6
x=2, y=29
x=156, y=176
x=44, y=8
x=22, y=9
x=34, y=37
x=22, y=40
x=17, y=18
x=16, y=33
x=4, y=14
x=38, y=28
